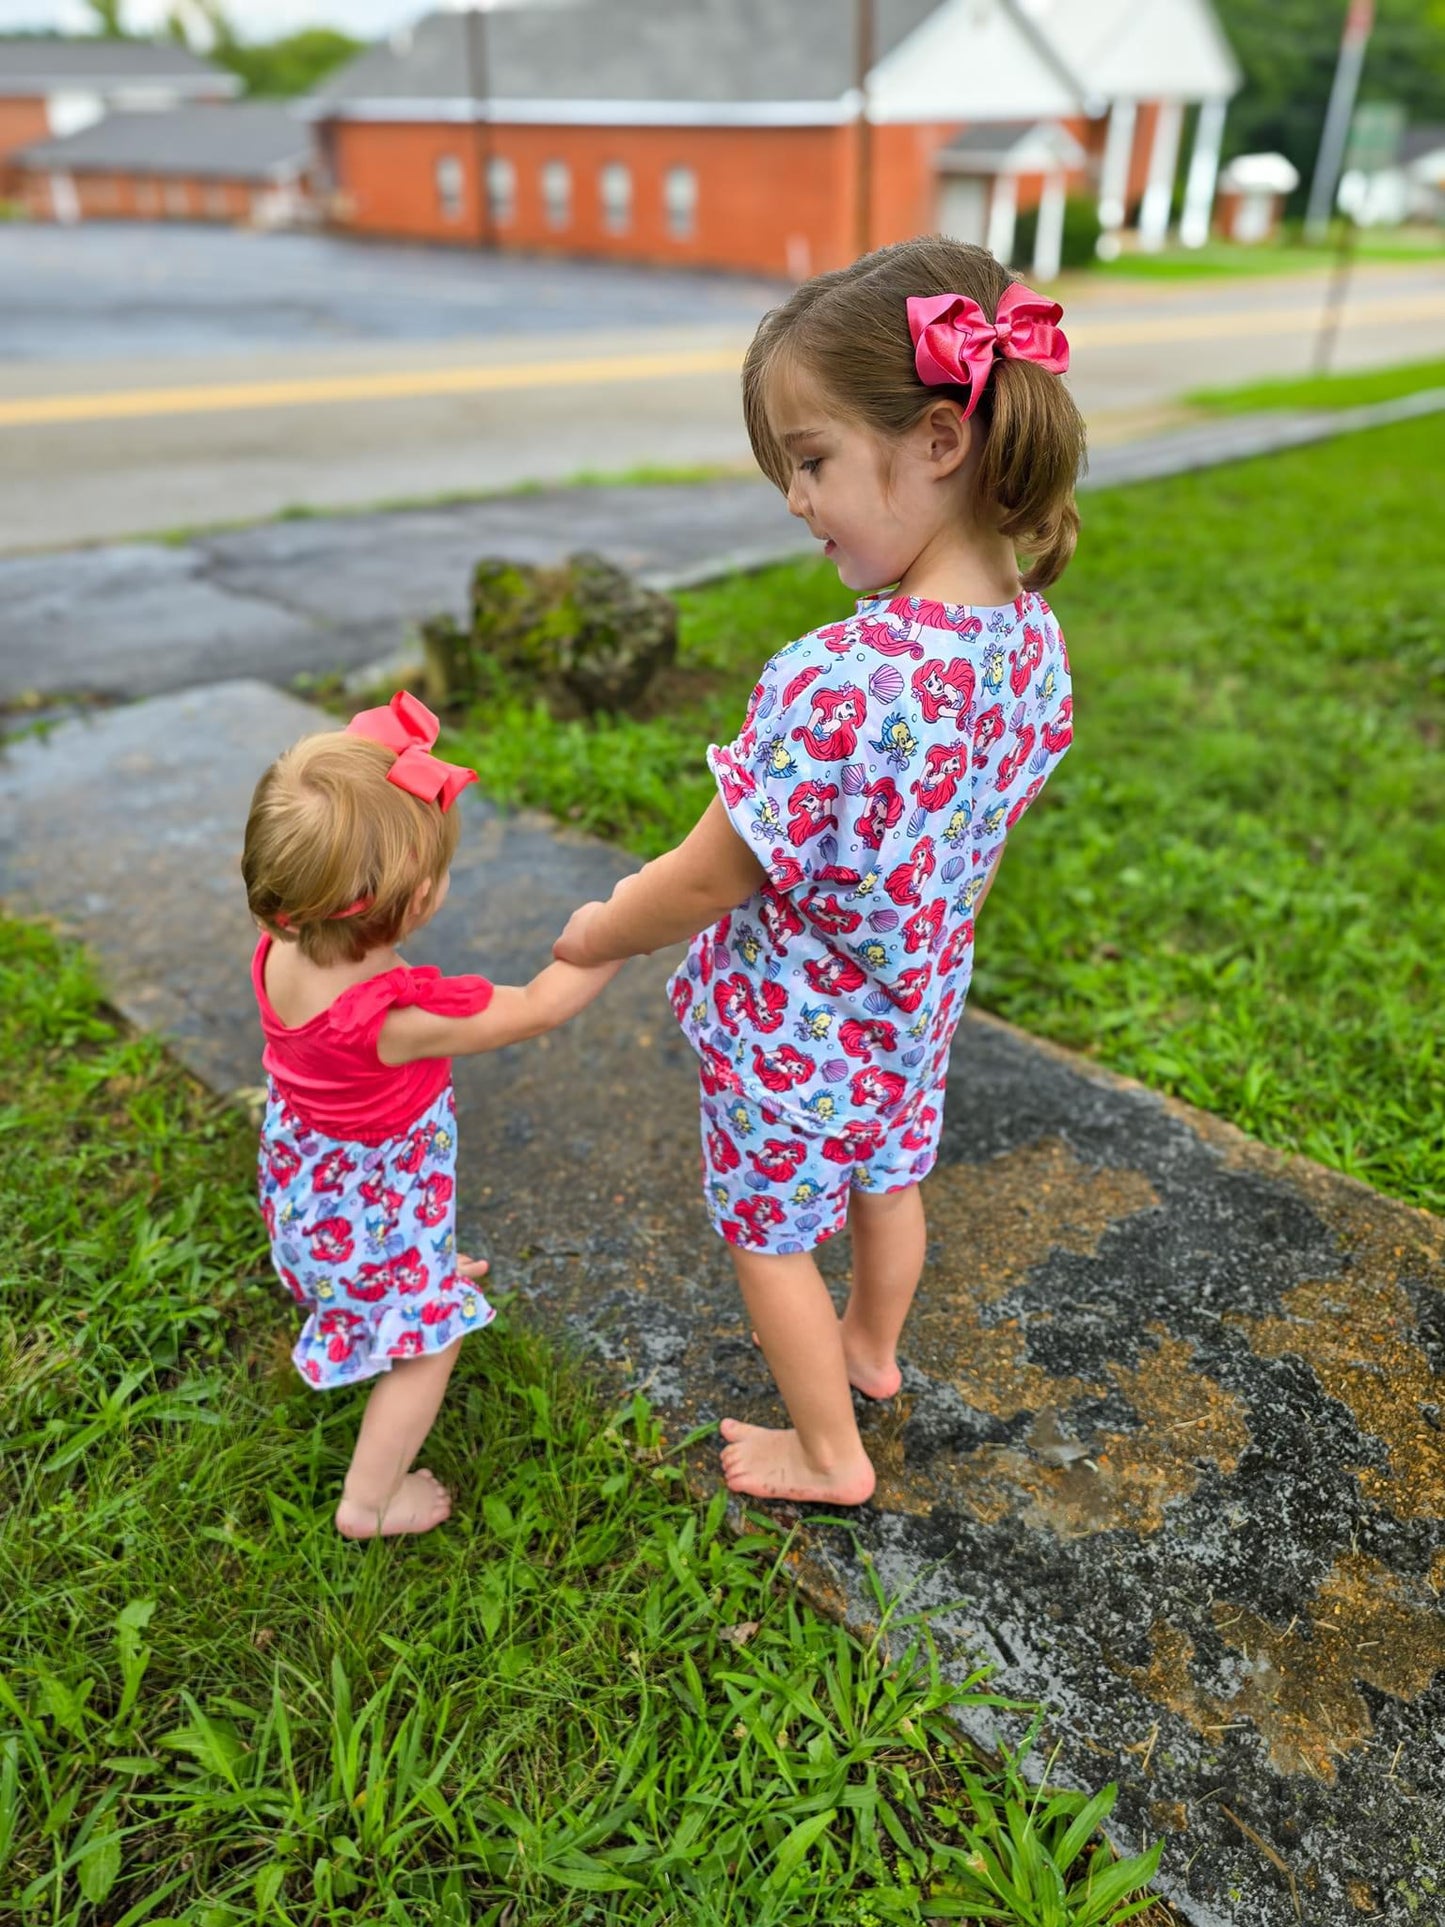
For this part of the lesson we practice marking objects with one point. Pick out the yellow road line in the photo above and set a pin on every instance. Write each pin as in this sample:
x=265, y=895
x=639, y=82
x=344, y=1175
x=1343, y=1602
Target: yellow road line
x=320, y=390
x=305, y=392
x=1256, y=321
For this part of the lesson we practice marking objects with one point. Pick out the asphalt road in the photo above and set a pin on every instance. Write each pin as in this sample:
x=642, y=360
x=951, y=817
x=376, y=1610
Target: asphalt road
x=154, y=378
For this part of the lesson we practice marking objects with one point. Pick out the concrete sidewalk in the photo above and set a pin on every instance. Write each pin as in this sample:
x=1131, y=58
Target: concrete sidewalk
x=1168, y=1450
x=323, y=594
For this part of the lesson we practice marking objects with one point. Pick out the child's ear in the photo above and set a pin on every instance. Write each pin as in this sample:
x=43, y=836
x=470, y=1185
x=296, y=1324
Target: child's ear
x=420, y=898
x=948, y=437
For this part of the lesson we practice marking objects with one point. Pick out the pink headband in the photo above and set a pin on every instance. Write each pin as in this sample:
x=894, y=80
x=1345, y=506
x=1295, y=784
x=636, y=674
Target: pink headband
x=407, y=727
x=954, y=342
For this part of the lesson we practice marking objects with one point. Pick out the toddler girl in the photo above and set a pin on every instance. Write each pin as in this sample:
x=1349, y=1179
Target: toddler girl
x=910, y=407
x=348, y=850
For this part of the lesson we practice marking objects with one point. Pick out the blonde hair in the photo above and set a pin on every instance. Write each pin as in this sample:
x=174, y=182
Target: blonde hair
x=327, y=829
x=849, y=331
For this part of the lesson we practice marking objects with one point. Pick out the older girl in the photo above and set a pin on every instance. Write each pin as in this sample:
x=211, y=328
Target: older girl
x=911, y=407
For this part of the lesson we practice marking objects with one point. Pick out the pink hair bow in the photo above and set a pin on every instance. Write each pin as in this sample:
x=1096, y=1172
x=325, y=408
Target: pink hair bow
x=954, y=342
x=407, y=726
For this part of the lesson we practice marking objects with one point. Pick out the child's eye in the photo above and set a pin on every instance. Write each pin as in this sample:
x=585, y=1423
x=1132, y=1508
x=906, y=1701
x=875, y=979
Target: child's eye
x=811, y=464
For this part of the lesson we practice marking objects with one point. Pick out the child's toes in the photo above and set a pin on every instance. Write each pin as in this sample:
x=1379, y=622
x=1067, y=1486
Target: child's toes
x=472, y=1267
x=419, y=1503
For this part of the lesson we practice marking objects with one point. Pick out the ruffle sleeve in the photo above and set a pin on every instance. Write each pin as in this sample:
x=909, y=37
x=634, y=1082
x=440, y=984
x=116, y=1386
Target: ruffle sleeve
x=358, y=1013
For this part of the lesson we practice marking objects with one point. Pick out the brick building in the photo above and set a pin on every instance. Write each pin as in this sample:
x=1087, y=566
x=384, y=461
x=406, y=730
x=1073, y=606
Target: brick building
x=735, y=133
x=251, y=162
x=51, y=87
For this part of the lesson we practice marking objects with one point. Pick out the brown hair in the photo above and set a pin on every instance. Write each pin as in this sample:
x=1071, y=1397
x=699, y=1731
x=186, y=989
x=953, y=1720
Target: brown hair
x=849, y=330
x=327, y=828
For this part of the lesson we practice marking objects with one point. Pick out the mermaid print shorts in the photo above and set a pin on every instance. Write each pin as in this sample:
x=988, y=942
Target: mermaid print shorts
x=772, y=1188
x=363, y=1236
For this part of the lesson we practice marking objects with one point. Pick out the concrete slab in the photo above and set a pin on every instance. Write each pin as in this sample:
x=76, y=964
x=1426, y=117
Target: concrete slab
x=1169, y=1445
x=335, y=593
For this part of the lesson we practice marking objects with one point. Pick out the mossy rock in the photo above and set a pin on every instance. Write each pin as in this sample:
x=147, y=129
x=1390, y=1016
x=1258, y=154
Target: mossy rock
x=619, y=635
x=585, y=627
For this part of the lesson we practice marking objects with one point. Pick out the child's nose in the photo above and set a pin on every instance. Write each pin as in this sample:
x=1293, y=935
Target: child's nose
x=795, y=498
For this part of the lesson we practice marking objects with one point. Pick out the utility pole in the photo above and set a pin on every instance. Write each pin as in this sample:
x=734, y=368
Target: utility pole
x=1359, y=20
x=477, y=82
x=863, y=185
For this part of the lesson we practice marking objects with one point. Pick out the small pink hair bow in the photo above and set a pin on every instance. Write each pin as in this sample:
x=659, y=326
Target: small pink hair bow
x=407, y=726
x=954, y=342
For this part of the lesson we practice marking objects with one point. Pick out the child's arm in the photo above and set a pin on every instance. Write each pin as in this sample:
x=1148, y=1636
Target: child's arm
x=513, y=1015
x=710, y=872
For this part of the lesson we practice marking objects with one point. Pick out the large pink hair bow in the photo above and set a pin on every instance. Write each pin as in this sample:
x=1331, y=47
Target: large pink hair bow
x=954, y=342
x=407, y=726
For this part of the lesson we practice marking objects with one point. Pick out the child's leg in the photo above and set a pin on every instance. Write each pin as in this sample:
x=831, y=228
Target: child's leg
x=382, y=1495
x=822, y=1457
x=889, y=1238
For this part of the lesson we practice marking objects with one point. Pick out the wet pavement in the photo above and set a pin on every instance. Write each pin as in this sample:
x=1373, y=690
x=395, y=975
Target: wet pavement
x=114, y=289
x=320, y=594
x=1169, y=1446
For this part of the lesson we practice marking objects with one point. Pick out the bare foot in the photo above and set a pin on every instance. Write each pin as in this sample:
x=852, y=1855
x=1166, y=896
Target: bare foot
x=873, y=1377
x=867, y=1376
x=420, y=1502
x=772, y=1465
x=472, y=1267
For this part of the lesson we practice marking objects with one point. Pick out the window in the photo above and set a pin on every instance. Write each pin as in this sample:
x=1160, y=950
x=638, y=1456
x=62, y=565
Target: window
x=557, y=193
x=217, y=202
x=615, y=185
x=147, y=200
x=449, y=187
x=679, y=199
x=501, y=190
x=178, y=198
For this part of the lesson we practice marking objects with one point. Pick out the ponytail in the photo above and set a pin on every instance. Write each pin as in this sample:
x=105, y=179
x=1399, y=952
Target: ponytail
x=849, y=330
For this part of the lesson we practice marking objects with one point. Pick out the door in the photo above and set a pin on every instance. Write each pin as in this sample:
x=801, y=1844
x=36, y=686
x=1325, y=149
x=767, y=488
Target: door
x=963, y=208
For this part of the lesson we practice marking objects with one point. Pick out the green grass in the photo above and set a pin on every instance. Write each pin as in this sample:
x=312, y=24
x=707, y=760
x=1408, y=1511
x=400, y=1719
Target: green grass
x=1231, y=888
x=640, y=475
x=583, y=1701
x=1356, y=388
x=1288, y=255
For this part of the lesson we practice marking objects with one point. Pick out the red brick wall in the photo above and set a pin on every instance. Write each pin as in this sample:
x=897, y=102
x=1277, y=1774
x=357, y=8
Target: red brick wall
x=776, y=200
x=779, y=200
x=123, y=197
x=21, y=121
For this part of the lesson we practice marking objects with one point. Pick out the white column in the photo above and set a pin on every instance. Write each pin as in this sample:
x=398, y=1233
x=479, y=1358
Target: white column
x=1114, y=169
x=64, y=201
x=1003, y=211
x=1163, y=159
x=1049, y=235
x=1203, y=172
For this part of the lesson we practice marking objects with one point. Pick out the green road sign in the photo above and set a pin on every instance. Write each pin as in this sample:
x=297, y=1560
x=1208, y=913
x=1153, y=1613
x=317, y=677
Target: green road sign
x=1375, y=134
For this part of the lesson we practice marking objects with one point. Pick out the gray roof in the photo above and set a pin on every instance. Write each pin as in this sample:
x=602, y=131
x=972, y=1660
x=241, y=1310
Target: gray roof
x=40, y=65
x=995, y=146
x=702, y=51
x=250, y=141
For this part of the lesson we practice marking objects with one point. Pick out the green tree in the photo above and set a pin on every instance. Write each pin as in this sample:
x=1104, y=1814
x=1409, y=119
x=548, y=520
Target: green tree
x=108, y=18
x=1288, y=50
x=273, y=69
x=291, y=65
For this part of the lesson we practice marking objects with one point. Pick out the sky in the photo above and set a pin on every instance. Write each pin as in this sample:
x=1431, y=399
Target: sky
x=254, y=19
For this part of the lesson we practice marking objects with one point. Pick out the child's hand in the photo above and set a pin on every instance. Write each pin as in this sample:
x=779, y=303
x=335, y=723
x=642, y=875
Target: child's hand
x=574, y=946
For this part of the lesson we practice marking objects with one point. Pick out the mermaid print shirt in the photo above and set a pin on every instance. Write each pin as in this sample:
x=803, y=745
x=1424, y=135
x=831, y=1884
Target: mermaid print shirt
x=882, y=762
